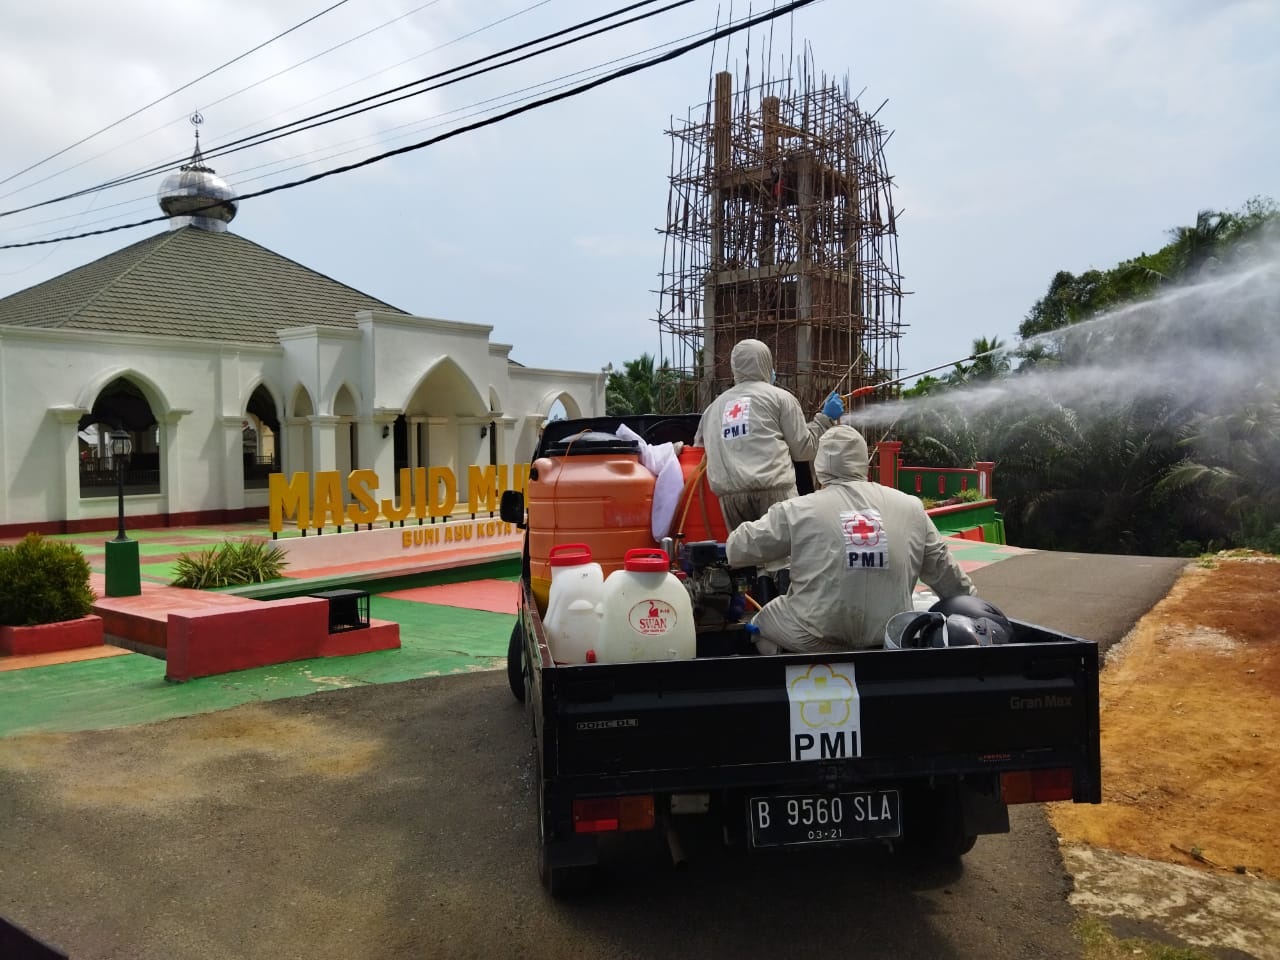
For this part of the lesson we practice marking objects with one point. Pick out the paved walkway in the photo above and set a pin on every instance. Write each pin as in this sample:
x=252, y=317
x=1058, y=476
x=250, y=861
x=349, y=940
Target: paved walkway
x=398, y=822
x=455, y=613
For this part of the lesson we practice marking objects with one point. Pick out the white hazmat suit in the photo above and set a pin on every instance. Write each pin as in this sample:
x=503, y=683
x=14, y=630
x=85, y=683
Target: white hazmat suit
x=857, y=549
x=752, y=432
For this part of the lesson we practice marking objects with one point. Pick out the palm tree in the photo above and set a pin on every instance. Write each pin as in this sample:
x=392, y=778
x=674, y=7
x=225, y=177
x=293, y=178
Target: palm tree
x=1232, y=469
x=1196, y=247
x=989, y=361
x=1082, y=482
x=642, y=387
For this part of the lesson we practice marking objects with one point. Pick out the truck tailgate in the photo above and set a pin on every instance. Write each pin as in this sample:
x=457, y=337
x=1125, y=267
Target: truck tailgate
x=863, y=716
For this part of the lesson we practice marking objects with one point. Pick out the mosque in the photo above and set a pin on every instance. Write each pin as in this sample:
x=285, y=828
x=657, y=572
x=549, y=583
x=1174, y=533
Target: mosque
x=189, y=367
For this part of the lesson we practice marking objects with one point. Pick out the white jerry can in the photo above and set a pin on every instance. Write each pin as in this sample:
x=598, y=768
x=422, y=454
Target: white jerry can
x=573, y=603
x=647, y=612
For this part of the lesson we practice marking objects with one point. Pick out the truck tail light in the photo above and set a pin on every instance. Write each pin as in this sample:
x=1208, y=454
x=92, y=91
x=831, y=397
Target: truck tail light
x=604, y=814
x=1036, y=786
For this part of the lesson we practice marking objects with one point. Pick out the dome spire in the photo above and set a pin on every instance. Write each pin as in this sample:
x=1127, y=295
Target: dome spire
x=194, y=195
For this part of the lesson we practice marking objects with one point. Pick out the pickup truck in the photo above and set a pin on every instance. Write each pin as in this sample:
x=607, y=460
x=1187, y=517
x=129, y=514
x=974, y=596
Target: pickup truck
x=923, y=749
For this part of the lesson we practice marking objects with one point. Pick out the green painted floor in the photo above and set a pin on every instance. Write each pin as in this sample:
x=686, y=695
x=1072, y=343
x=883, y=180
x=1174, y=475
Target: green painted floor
x=435, y=640
x=129, y=689
x=158, y=549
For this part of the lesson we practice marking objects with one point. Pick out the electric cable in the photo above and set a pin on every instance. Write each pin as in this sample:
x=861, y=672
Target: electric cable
x=476, y=108
x=467, y=128
x=224, y=99
x=172, y=93
x=264, y=136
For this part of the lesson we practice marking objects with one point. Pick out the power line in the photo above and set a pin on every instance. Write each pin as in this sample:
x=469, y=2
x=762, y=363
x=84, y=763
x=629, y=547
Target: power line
x=264, y=137
x=174, y=92
x=245, y=89
x=458, y=131
x=475, y=108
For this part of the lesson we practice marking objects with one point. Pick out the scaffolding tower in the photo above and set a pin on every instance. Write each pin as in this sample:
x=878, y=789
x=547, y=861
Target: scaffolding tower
x=780, y=226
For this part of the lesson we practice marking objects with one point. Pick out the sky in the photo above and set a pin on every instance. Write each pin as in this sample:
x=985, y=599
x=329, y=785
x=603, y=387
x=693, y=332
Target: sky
x=1028, y=138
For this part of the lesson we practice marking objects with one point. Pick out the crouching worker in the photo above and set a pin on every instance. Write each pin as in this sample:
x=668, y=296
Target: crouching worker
x=857, y=549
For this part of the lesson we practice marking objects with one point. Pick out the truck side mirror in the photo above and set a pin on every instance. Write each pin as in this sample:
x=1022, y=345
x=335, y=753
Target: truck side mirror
x=511, y=507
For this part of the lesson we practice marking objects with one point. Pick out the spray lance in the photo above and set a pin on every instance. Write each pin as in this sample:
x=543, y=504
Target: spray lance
x=863, y=391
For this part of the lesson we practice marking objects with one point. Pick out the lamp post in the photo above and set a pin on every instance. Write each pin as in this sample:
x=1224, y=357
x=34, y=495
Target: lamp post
x=120, y=445
x=124, y=573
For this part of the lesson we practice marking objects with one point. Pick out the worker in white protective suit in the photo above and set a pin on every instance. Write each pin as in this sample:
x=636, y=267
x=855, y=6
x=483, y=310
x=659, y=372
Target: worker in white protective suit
x=752, y=432
x=857, y=549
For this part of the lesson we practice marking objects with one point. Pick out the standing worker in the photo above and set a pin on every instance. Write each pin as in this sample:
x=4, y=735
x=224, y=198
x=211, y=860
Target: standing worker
x=857, y=549
x=753, y=431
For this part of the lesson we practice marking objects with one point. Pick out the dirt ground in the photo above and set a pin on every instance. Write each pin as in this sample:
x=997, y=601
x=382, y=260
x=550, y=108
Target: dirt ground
x=1191, y=746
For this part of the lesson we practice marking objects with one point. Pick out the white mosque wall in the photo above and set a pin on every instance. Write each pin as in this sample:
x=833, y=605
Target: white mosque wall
x=463, y=386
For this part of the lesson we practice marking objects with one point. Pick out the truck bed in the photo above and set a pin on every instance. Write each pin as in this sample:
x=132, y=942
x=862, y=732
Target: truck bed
x=731, y=721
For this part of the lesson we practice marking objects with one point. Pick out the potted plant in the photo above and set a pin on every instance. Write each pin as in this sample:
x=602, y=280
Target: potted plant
x=231, y=563
x=46, y=603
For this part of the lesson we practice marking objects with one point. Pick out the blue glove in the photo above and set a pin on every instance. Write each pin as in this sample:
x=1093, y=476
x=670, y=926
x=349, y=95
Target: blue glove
x=834, y=407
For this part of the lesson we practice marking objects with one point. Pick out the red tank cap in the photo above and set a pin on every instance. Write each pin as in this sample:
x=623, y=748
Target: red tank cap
x=569, y=554
x=646, y=560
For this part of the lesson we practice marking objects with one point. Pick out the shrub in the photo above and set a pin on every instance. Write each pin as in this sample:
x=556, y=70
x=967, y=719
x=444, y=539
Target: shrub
x=230, y=563
x=971, y=495
x=43, y=581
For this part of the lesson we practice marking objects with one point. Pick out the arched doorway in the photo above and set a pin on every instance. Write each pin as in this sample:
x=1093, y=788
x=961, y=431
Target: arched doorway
x=446, y=423
x=120, y=406
x=261, y=435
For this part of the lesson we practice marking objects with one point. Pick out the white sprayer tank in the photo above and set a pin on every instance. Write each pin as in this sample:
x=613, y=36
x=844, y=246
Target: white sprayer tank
x=647, y=612
x=573, y=603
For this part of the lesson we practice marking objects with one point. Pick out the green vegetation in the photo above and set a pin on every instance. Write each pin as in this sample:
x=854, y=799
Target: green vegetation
x=643, y=387
x=1140, y=473
x=1143, y=475
x=43, y=581
x=1100, y=943
x=231, y=563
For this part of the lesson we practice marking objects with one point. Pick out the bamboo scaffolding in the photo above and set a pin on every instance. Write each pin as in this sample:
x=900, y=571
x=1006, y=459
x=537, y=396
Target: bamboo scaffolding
x=780, y=226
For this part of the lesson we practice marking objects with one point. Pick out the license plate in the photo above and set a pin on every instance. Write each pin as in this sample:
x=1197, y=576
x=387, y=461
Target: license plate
x=838, y=818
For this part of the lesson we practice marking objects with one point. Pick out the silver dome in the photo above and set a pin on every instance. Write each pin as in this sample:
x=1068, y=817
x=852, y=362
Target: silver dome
x=196, y=196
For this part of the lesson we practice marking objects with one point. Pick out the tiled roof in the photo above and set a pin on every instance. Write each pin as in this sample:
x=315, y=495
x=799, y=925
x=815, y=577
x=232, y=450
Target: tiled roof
x=190, y=283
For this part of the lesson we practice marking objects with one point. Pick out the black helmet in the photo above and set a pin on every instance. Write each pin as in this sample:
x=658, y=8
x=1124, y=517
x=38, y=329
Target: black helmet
x=934, y=628
x=968, y=605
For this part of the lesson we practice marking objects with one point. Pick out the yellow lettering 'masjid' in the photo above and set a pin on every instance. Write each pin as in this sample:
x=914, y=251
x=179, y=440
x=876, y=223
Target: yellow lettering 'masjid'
x=482, y=488
x=442, y=491
x=424, y=491
x=290, y=497
x=360, y=483
x=329, y=499
x=398, y=511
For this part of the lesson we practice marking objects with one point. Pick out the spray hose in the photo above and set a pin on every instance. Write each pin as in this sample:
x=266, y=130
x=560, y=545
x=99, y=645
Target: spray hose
x=863, y=391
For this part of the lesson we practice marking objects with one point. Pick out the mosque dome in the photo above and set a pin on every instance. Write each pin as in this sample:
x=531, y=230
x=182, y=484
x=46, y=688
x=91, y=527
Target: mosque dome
x=193, y=195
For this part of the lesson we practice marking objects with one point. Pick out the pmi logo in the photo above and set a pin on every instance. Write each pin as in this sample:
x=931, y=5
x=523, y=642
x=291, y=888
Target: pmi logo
x=826, y=712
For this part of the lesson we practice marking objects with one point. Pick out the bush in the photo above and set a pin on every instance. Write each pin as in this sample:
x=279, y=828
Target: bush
x=43, y=581
x=228, y=564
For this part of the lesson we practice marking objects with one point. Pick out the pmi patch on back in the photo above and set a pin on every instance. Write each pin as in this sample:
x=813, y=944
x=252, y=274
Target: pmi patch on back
x=826, y=712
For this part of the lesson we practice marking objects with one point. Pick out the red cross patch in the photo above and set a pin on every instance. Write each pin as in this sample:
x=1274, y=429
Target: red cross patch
x=735, y=411
x=861, y=529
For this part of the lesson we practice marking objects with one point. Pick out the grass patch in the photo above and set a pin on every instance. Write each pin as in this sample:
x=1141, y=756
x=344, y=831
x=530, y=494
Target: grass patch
x=1100, y=943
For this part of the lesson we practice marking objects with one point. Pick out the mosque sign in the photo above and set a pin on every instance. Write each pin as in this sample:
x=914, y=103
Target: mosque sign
x=316, y=500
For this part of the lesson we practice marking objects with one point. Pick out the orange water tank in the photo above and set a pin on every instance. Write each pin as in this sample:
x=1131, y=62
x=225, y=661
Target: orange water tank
x=699, y=507
x=592, y=489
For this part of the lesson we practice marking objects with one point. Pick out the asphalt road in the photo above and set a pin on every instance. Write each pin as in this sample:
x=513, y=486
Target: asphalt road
x=396, y=821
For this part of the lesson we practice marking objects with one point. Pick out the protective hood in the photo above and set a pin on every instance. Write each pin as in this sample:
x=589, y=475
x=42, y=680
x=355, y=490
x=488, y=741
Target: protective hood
x=751, y=360
x=842, y=455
